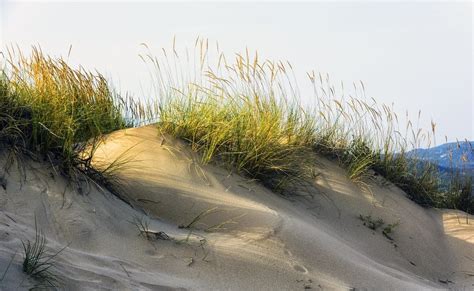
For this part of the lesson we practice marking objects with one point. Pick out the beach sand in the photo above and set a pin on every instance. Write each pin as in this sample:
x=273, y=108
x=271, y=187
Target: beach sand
x=245, y=237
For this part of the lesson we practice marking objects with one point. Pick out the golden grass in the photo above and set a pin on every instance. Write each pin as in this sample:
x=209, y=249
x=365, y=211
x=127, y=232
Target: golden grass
x=51, y=109
x=244, y=114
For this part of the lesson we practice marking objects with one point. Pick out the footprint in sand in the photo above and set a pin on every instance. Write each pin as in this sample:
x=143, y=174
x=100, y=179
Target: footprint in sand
x=301, y=269
x=297, y=267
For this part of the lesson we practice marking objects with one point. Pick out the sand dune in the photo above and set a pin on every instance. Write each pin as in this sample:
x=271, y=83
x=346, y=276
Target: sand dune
x=247, y=238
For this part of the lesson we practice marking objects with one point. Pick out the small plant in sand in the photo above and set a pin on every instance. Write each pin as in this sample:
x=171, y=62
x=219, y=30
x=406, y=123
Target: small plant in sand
x=199, y=217
x=142, y=224
x=370, y=222
x=374, y=224
x=37, y=263
x=388, y=229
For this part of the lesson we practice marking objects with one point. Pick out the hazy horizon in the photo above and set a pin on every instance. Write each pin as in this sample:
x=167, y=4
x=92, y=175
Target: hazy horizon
x=415, y=55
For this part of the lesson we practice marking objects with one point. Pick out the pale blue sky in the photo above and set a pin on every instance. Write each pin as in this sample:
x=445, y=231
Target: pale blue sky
x=416, y=55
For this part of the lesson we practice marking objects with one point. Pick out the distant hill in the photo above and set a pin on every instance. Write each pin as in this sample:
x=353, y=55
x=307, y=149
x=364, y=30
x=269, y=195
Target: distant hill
x=449, y=155
x=450, y=158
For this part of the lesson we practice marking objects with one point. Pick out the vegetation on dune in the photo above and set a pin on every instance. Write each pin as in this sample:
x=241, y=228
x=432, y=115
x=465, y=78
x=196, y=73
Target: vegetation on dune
x=245, y=114
x=374, y=224
x=37, y=264
x=53, y=111
x=260, y=136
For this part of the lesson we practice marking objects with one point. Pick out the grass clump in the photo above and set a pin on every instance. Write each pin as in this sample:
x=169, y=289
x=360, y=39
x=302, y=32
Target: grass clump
x=246, y=115
x=36, y=263
x=461, y=194
x=370, y=222
x=374, y=224
x=419, y=179
x=254, y=136
x=388, y=230
x=243, y=122
x=51, y=110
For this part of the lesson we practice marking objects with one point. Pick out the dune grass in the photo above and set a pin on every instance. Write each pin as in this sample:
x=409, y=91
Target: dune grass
x=245, y=122
x=257, y=137
x=243, y=114
x=54, y=112
x=246, y=114
x=36, y=263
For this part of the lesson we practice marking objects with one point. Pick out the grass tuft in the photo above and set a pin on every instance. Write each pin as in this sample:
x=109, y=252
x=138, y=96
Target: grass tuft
x=51, y=109
x=53, y=112
x=36, y=263
x=374, y=224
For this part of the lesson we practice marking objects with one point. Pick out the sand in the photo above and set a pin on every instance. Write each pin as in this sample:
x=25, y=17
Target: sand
x=248, y=238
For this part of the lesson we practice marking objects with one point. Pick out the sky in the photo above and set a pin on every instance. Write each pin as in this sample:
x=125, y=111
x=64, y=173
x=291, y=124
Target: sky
x=416, y=55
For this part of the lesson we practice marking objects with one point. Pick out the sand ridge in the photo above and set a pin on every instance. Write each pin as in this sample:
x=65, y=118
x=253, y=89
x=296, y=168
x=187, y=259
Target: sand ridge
x=248, y=239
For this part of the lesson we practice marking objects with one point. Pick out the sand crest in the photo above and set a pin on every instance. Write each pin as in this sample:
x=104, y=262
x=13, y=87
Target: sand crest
x=245, y=237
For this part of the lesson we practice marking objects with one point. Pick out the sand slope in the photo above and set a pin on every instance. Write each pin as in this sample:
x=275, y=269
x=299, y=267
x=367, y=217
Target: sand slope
x=247, y=238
